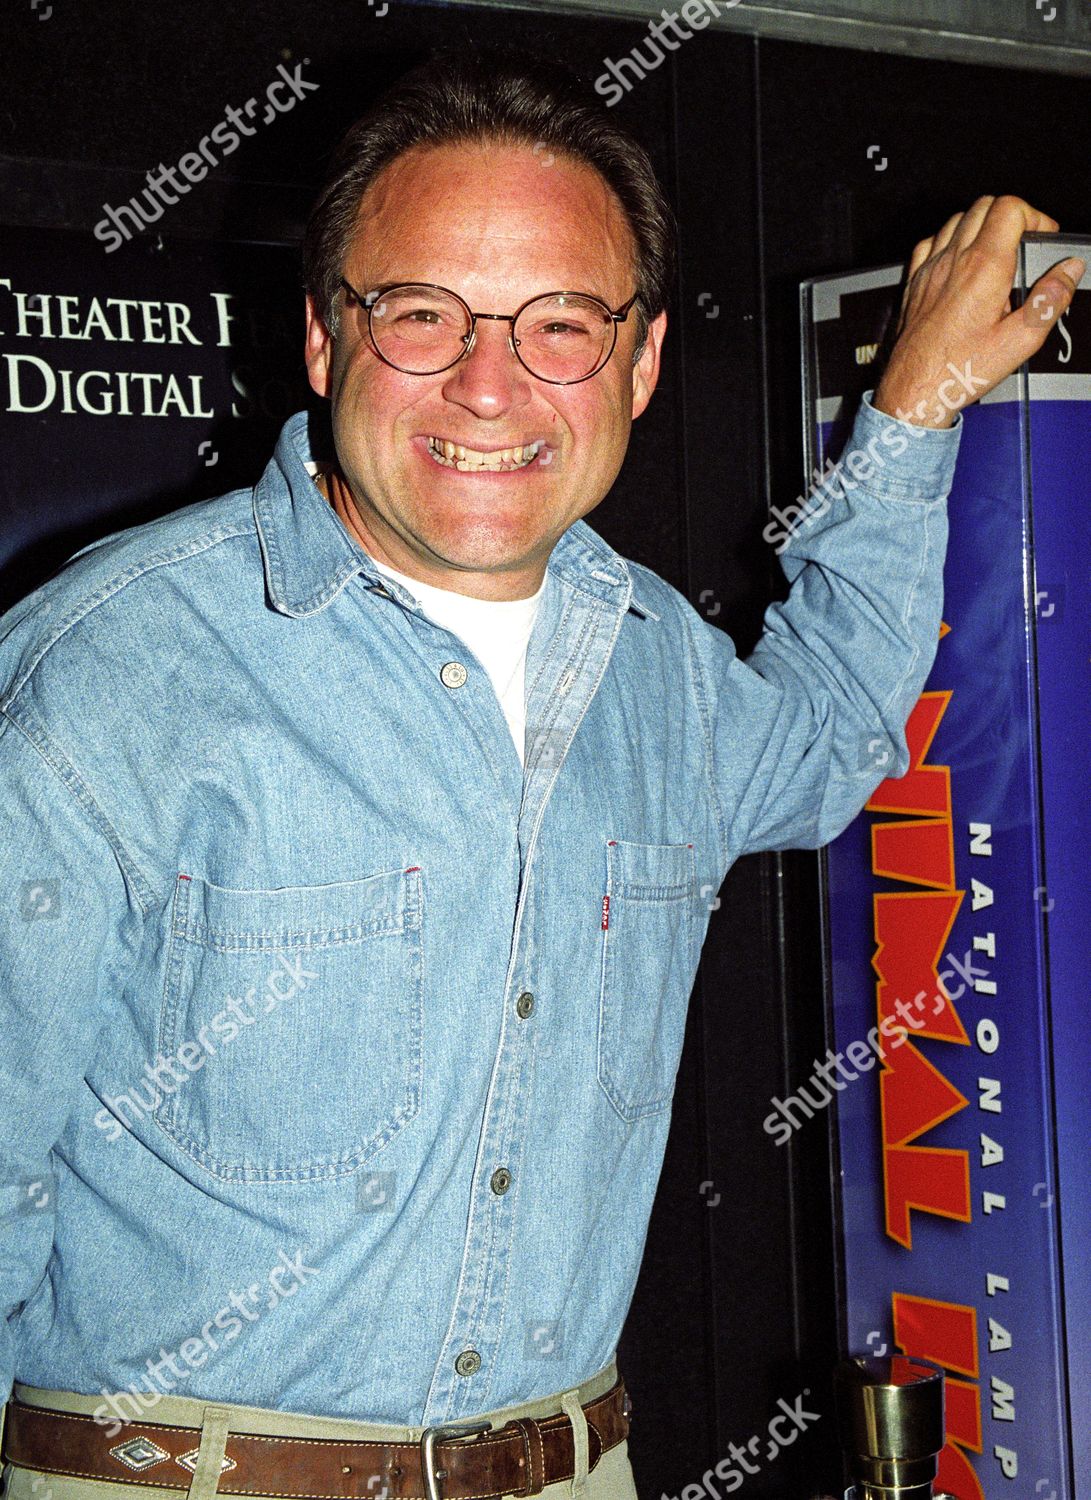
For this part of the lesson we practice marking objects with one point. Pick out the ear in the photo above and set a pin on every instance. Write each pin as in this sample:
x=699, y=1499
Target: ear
x=318, y=350
x=646, y=369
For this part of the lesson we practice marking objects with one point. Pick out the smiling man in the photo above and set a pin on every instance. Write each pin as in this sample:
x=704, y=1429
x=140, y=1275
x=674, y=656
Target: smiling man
x=430, y=462
x=399, y=725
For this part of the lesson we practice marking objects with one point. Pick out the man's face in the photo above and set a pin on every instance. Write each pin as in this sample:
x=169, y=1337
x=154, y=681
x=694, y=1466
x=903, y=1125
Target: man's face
x=497, y=225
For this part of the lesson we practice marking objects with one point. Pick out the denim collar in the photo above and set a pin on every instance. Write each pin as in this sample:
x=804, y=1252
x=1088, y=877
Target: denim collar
x=309, y=556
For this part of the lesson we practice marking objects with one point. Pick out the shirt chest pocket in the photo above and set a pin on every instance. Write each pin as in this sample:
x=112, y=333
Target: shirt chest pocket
x=647, y=972
x=293, y=1021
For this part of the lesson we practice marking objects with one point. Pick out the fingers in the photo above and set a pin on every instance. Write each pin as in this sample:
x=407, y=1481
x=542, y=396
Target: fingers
x=1005, y=222
x=959, y=228
x=972, y=221
x=943, y=238
x=997, y=222
x=920, y=254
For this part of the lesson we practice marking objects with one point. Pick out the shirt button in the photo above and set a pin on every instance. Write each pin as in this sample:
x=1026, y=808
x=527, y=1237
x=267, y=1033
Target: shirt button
x=452, y=674
x=468, y=1362
x=524, y=1005
x=500, y=1180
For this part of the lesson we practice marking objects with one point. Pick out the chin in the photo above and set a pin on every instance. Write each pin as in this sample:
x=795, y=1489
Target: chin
x=482, y=529
x=478, y=556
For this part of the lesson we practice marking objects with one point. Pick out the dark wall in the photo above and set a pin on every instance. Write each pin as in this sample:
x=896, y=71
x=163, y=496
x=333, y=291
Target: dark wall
x=765, y=151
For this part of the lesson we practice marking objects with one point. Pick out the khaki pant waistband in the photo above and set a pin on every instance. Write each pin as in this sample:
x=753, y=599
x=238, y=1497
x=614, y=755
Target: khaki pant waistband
x=187, y=1411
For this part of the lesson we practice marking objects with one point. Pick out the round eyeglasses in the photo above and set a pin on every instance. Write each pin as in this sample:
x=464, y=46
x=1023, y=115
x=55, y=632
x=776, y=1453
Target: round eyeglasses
x=423, y=329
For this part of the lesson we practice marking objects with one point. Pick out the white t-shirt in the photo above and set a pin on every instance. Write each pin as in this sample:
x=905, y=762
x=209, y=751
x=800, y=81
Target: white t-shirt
x=497, y=632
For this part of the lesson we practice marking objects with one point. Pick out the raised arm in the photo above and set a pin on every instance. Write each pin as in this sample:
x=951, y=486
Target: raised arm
x=805, y=729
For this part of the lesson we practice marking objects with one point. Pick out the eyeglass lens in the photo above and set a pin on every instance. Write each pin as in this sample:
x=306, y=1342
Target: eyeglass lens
x=559, y=337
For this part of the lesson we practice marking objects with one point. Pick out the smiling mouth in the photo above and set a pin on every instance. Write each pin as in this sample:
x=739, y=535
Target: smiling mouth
x=472, y=461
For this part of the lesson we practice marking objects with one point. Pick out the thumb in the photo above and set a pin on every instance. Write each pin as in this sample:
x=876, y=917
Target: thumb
x=1021, y=333
x=1050, y=295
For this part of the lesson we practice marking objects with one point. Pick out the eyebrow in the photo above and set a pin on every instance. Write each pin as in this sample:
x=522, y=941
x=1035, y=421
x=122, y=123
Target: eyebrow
x=577, y=291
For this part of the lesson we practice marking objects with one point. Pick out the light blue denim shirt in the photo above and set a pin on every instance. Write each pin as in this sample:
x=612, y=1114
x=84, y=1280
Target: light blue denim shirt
x=337, y=1050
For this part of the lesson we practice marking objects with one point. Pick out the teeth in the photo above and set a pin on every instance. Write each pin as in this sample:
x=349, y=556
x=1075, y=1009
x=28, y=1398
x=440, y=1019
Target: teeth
x=466, y=460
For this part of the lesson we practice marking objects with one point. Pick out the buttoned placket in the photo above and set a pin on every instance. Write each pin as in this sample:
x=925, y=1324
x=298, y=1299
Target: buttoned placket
x=463, y=682
x=557, y=699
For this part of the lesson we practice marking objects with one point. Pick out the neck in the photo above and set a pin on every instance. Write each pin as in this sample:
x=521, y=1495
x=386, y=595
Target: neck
x=497, y=586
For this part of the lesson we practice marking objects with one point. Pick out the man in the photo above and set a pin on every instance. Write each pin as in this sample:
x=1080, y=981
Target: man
x=372, y=810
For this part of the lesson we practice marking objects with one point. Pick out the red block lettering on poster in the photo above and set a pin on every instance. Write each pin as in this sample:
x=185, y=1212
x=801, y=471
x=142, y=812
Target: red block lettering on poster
x=927, y=1178
x=920, y=851
x=923, y=789
x=946, y=1333
x=911, y=931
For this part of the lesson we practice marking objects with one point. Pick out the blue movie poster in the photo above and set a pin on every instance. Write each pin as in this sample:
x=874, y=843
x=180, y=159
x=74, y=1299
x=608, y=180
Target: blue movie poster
x=959, y=927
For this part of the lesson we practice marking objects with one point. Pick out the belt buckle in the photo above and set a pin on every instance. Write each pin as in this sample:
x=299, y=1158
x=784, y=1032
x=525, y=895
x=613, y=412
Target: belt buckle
x=434, y=1435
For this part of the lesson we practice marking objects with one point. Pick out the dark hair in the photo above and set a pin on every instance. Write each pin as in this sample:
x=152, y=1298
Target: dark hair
x=491, y=94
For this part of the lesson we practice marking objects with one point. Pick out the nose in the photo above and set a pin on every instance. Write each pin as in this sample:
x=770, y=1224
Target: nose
x=489, y=381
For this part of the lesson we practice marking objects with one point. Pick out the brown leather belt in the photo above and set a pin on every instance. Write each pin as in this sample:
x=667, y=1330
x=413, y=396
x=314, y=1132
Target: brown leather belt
x=520, y=1458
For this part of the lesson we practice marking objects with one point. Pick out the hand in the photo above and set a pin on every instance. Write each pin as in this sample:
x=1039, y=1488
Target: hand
x=957, y=336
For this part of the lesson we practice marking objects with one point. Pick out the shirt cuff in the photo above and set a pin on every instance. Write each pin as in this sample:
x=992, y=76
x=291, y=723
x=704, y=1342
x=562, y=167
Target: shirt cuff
x=897, y=460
